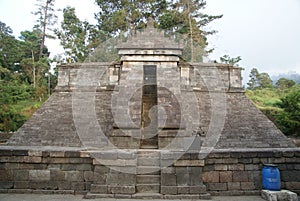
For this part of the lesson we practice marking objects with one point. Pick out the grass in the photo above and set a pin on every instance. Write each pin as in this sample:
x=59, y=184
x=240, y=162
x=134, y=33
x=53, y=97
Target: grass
x=27, y=108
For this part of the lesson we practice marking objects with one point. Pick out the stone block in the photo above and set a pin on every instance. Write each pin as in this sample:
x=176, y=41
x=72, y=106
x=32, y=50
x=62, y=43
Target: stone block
x=35, y=153
x=189, y=163
x=146, y=161
x=64, y=185
x=252, y=167
x=46, y=185
x=240, y=176
x=283, y=195
x=183, y=179
x=85, y=167
x=148, y=179
x=168, y=170
x=74, y=176
x=290, y=175
x=220, y=167
x=67, y=167
x=121, y=189
x=234, y=186
x=59, y=154
x=101, y=169
x=6, y=184
x=230, y=160
x=21, y=175
x=39, y=175
x=168, y=190
x=21, y=184
x=197, y=189
x=217, y=186
x=245, y=160
x=247, y=186
x=226, y=176
x=168, y=179
x=99, y=178
x=212, y=176
x=20, y=152
x=72, y=154
x=183, y=189
x=237, y=167
x=208, y=168
x=57, y=175
x=121, y=179
x=293, y=185
x=195, y=176
x=6, y=152
x=78, y=186
x=147, y=188
x=88, y=175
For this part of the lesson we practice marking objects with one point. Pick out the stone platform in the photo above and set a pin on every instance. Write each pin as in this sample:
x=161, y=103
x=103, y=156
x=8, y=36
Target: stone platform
x=121, y=174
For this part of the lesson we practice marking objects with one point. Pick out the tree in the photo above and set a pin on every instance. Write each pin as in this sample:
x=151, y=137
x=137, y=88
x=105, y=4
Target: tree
x=259, y=80
x=289, y=119
x=46, y=18
x=116, y=17
x=11, y=51
x=226, y=59
x=265, y=81
x=253, y=82
x=76, y=36
x=31, y=44
x=284, y=83
x=185, y=17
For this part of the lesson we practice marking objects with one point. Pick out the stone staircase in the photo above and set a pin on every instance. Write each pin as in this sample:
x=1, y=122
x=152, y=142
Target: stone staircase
x=148, y=172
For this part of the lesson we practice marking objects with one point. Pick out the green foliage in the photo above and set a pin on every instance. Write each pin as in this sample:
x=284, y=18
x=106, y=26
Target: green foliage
x=185, y=17
x=259, y=80
x=22, y=76
x=46, y=18
x=10, y=49
x=284, y=83
x=289, y=119
x=226, y=59
x=116, y=17
x=77, y=37
x=281, y=106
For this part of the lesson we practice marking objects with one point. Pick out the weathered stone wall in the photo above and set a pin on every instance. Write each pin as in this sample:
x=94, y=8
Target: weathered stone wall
x=224, y=172
x=238, y=172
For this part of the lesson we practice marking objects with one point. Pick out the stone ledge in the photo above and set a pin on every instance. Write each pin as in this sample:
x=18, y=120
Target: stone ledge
x=283, y=195
x=189, y=163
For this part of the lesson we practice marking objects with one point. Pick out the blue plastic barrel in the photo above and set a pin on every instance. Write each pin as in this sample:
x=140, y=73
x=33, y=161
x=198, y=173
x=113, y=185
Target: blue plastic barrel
x=270, y=177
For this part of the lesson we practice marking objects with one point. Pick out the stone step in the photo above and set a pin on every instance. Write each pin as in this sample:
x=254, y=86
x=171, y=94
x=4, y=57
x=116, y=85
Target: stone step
x=148, y=170
x=147, y=196
x=148, y=161
x=148, y=179
x=147, y=188
x=99, y=189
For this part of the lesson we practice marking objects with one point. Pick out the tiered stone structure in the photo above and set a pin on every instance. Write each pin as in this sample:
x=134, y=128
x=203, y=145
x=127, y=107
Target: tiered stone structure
x=150, y=125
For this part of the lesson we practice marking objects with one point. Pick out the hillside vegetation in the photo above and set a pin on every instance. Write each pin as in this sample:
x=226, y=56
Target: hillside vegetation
x=279, y=102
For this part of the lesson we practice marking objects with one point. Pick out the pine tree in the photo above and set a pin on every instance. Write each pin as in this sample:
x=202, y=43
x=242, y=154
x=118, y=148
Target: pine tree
x=46, y=18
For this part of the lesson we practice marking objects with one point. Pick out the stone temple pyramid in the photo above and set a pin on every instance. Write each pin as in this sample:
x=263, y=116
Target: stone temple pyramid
x=149, y=125
x=109, y=104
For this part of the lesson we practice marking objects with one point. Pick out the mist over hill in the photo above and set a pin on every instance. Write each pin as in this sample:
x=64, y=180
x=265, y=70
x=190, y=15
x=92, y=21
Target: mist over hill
x=292, y=75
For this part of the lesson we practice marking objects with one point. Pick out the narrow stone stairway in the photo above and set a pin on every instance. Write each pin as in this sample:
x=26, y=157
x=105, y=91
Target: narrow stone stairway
x=148, y=172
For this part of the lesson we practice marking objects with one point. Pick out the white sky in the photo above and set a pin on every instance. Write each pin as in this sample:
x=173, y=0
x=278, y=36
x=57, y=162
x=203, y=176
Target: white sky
x=265, y=33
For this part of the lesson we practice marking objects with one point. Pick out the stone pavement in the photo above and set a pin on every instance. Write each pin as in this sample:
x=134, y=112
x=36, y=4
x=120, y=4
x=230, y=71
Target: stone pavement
x=43, y=197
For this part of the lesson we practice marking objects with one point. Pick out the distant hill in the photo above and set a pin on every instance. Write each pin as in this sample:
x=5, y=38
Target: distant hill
x=293, y=75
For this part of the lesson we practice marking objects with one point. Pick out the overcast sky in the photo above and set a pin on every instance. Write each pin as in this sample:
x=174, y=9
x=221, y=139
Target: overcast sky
x=265, y=33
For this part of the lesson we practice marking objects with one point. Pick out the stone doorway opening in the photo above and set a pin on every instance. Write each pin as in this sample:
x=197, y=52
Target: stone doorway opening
x=149, y=122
